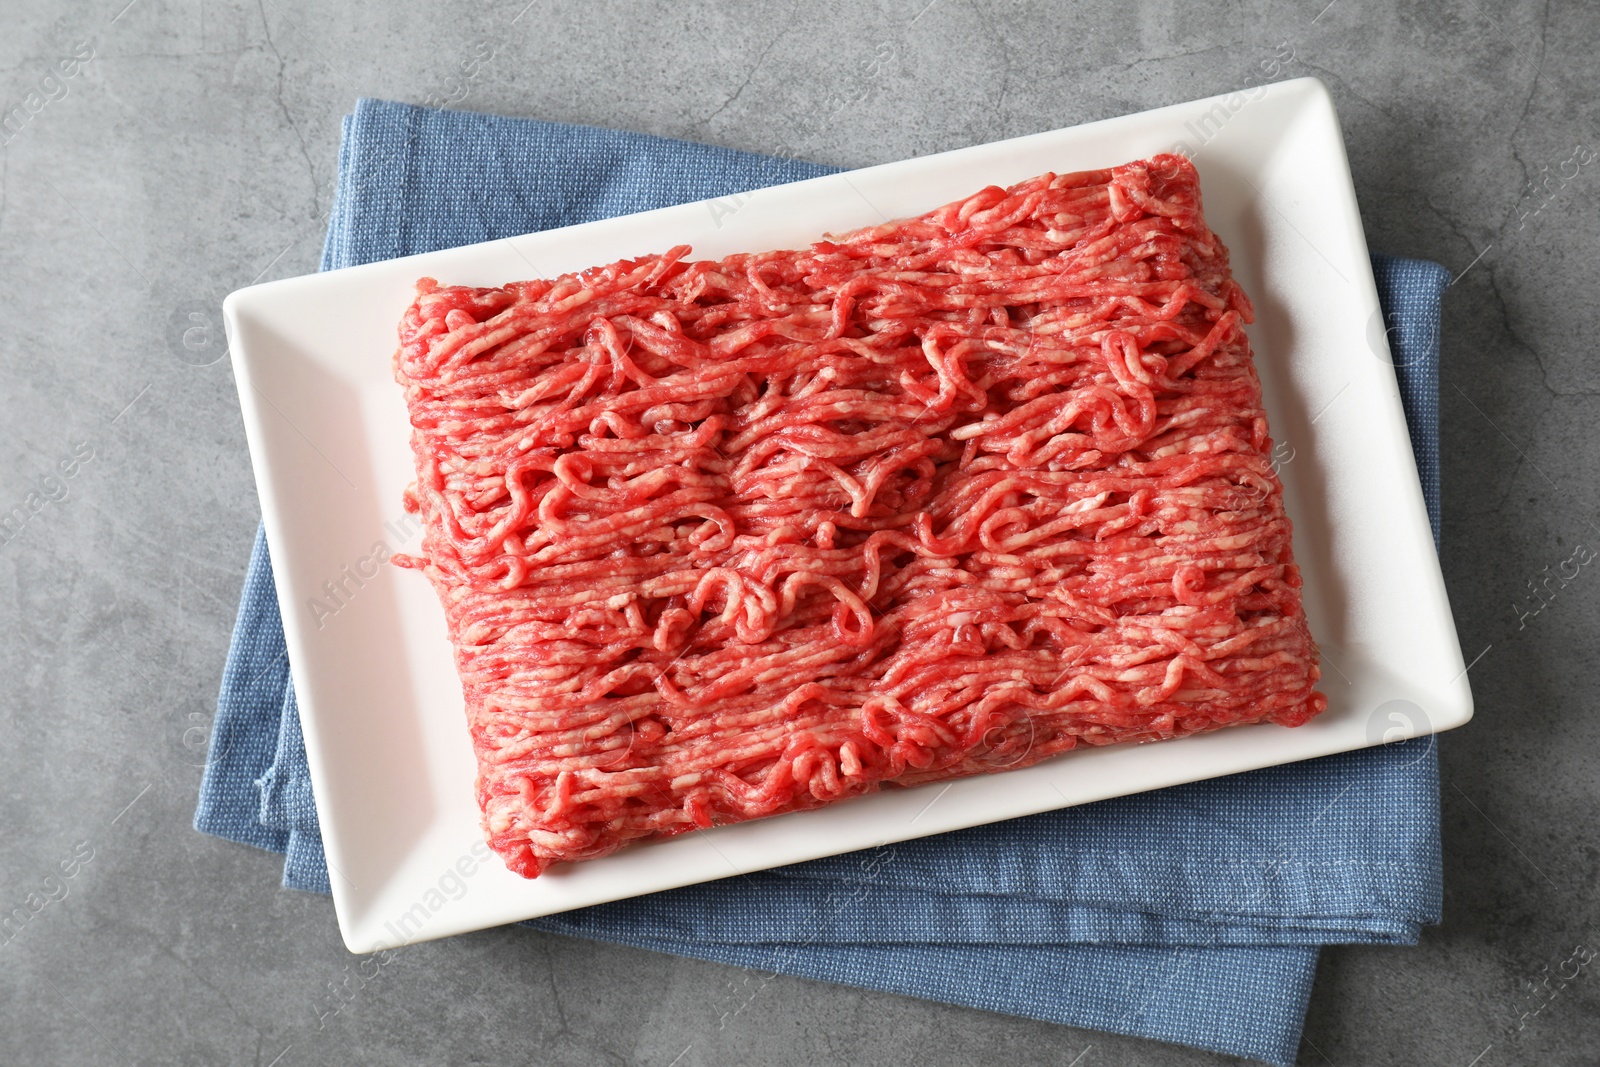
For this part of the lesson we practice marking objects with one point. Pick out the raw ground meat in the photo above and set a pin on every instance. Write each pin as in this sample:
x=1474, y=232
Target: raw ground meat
x=719, y=540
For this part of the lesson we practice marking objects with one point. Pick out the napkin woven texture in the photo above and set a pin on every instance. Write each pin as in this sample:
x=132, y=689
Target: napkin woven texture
x=1191, y=915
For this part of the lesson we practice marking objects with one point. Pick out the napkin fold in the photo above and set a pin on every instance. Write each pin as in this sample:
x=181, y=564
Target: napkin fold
x=1191, y=914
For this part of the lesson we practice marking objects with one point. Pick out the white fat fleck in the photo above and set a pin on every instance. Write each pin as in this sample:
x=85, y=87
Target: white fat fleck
x=1088, y=503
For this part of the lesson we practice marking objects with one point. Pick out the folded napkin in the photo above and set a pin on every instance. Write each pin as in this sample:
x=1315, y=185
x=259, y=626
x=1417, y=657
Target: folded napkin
x=1191, y=914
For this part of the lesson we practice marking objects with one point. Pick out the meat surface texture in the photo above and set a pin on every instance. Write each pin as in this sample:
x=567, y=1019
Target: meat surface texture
x=954, y=494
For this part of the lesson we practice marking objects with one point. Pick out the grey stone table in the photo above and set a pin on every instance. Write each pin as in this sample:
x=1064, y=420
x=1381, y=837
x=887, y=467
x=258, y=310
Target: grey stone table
x=191, y=150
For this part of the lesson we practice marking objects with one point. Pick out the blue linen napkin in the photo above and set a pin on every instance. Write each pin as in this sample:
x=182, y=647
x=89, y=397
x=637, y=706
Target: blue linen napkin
x=1191, y=915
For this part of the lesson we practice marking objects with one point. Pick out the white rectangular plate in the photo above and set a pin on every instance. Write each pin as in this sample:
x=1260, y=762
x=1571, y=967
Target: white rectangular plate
x=379, y=696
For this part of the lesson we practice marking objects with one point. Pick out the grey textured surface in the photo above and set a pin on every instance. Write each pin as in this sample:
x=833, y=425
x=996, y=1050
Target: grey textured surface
x=194, y=153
